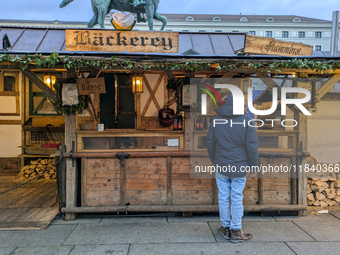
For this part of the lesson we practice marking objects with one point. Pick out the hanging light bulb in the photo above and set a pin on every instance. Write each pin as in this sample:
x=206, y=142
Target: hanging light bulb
x=137, y=84
x=50, y=80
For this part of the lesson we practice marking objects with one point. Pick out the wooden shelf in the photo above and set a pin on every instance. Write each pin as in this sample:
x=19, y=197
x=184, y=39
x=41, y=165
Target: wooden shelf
x=43, y=129
x=34, y=156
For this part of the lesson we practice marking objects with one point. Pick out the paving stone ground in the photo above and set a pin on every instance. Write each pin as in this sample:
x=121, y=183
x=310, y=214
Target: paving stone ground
x=313, y=234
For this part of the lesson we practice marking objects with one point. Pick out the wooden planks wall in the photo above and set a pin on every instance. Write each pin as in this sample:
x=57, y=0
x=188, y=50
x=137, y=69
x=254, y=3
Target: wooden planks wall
x=167, y=181
x=146, y=181
x=100, y=182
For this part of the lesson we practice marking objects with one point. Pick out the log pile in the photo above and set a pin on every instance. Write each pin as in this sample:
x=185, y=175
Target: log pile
x=323, y=187
x=37, y=167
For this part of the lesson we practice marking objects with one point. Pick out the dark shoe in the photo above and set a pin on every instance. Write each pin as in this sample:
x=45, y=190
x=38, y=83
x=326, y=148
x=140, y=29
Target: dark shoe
x=225, y=232
x=237, y=236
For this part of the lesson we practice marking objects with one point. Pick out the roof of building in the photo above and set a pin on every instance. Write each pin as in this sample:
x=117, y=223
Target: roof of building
x=48, y=40
x=196, y=17
x=42, y=22
x=234, y=18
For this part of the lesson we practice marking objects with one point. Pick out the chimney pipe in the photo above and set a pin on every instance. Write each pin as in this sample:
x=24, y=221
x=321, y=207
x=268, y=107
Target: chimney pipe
x=335, y=33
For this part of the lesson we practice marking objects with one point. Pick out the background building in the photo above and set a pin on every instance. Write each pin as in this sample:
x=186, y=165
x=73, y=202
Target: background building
x=315, y=32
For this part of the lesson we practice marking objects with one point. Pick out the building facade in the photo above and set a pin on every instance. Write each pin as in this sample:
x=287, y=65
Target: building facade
x=310, y=31
x=315, y=32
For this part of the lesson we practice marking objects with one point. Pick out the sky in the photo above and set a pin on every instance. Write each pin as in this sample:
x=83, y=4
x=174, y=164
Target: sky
x=81, y=10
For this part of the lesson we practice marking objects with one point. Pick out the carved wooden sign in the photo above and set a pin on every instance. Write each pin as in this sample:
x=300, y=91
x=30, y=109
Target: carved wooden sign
x=91, y=86
x=270, y=46
x=118, y=41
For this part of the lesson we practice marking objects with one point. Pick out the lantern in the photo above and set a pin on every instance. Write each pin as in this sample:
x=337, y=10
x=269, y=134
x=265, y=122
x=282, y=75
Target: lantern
x=50, y=80
x=178, y=122
x=137, y=84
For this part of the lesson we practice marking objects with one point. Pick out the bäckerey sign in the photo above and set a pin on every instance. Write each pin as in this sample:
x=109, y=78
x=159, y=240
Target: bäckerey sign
x=118, y=41
x=269, y=46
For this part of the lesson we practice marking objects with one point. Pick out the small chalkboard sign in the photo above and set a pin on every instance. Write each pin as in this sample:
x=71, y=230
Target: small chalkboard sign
x=91, y=86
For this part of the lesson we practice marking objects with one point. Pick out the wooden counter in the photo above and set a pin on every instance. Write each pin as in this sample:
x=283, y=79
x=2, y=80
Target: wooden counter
x=161, y=181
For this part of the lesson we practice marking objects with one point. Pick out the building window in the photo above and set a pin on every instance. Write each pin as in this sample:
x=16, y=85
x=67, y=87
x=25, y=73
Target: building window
x=9, y=94
x=269, y=33
x=318, y=47
x=285, y=34
x=201, y=30
x=217, y=19
x=190, y=18
x=270, y=19
x=243, y=19
x=302, y=34
x=317, y=34
x=252, y=32
x=218, y=31
x=185, y=30
x=297, y=20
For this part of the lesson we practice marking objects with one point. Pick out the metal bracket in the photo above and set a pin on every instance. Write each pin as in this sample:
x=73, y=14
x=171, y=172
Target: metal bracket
x=122, y=156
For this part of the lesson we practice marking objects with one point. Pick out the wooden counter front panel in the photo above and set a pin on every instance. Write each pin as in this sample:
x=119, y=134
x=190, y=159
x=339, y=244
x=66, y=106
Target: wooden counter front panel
x=100, y=182
x=186, y=190
x=146, y=181
x=167, y=181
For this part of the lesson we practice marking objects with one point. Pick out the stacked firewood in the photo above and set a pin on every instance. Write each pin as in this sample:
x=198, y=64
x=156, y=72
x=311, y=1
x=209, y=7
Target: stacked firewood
x=39, y=167
x=323, y=187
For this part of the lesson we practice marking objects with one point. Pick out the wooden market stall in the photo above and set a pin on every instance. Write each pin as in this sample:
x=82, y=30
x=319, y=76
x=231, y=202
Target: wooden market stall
x=137, y=163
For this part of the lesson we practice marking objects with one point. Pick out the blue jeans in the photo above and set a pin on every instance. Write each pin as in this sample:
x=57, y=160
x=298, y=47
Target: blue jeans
x=231, y=188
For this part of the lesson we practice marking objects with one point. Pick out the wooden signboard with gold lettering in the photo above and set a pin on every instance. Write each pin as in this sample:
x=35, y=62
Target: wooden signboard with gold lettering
x=91, y=86
x=269, y=46
x=118, y=41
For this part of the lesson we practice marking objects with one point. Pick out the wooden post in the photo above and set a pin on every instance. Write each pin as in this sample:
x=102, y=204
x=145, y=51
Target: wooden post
x=302, y=145
x=188, y=125
x=71, y=165
x=188, y=142
x=294, y=191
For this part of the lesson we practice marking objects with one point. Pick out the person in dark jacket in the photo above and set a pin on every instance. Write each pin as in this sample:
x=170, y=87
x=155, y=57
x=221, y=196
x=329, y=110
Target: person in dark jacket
x=232, y=147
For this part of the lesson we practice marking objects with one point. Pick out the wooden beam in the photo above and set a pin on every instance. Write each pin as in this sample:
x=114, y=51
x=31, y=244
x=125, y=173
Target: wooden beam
x=226, y=76
x=150, y=154
x=327, y=86
x=41, y=85
x=267, y=80
x=272, y=84
x=171, y=75
x=71, y=165
x=178, y=208
x=152, y=93
x=302, y=147
x=10, y=122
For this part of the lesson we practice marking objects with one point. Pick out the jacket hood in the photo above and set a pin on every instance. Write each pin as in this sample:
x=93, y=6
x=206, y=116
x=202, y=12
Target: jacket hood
x=227, y=108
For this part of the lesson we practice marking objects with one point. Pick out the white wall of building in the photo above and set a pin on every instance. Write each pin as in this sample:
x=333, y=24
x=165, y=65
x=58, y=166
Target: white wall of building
x=11, y=135
x=10, y=139
x=323, y=129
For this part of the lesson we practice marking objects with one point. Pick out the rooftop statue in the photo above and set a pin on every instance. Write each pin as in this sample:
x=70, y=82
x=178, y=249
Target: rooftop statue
x=102, y=7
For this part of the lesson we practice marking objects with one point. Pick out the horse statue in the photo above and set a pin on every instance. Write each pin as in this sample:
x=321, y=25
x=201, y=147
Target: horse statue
x=102, y=7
